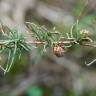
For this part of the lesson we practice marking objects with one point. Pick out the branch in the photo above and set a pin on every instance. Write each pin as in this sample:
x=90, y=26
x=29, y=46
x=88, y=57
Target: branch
x=46, y=38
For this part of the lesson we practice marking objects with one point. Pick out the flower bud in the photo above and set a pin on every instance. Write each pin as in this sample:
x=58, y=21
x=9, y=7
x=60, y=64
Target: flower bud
x=58, y=51
x=86, y=33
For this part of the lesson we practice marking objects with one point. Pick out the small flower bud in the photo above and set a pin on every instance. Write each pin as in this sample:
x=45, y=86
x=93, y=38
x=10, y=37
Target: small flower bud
x=58, y=51
x=85, y=32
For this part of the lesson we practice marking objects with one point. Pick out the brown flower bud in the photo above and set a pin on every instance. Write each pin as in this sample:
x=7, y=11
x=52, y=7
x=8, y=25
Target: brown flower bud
x=58, y=51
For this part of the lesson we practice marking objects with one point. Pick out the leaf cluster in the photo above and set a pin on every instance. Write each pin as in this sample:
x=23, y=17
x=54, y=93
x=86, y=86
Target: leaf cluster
x=12, y=43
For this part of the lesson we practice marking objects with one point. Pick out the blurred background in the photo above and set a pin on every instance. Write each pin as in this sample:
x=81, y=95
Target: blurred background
x=48, y=75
